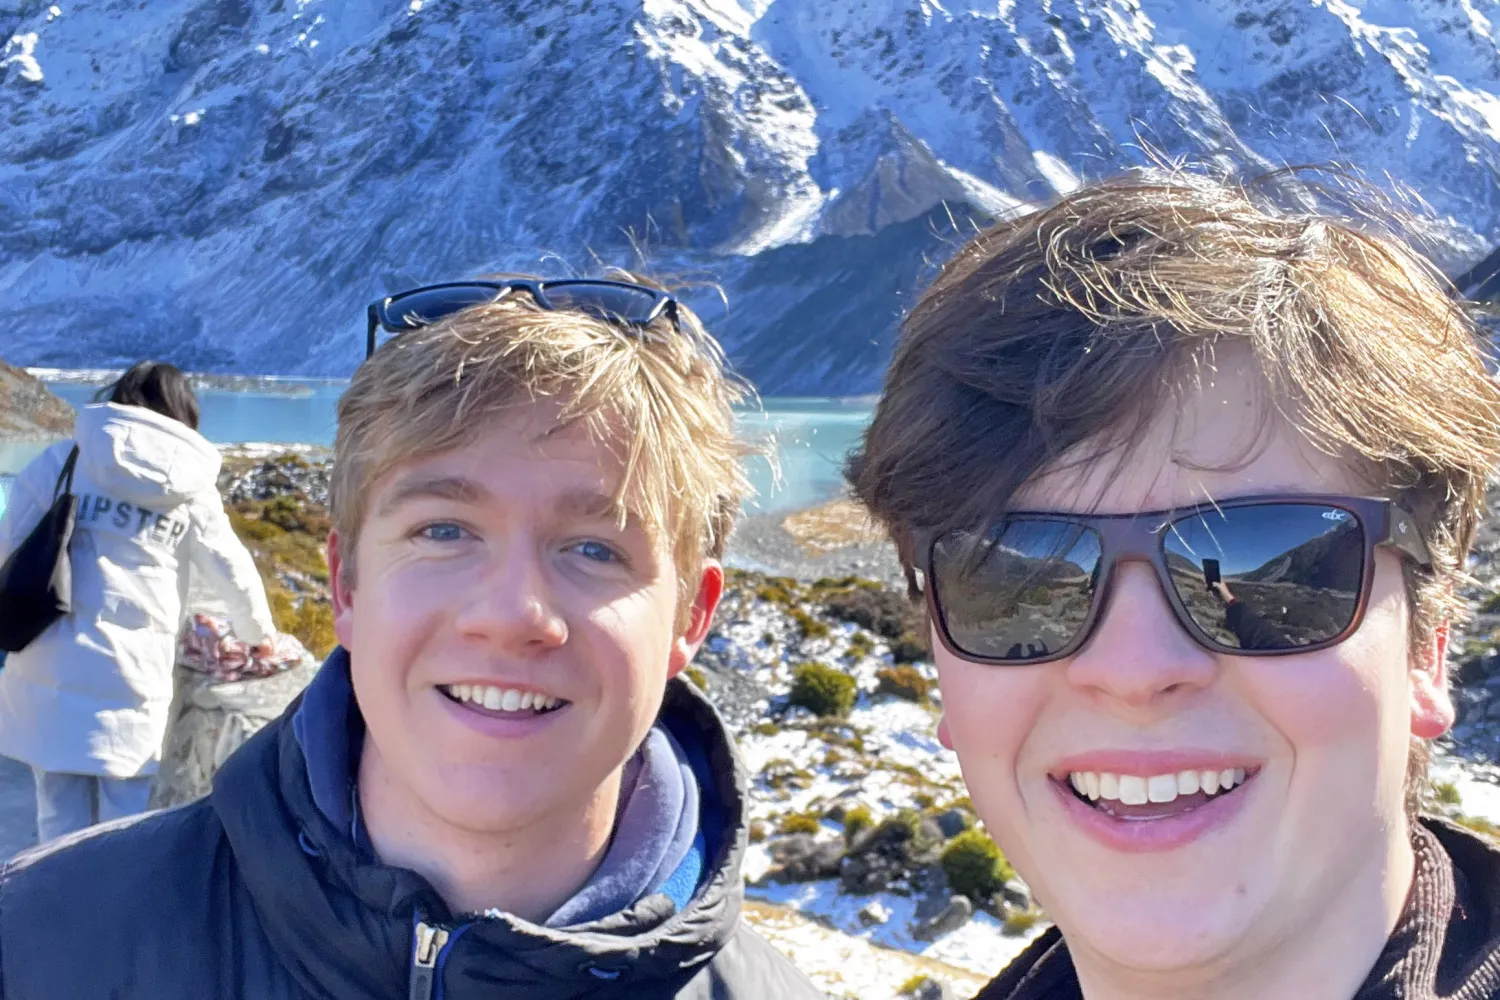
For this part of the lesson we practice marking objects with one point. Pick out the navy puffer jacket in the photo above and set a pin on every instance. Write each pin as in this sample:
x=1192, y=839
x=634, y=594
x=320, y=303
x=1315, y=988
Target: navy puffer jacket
x=252, y=893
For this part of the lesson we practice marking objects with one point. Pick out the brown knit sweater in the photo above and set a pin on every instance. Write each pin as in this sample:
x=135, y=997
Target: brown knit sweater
x=1446, y=945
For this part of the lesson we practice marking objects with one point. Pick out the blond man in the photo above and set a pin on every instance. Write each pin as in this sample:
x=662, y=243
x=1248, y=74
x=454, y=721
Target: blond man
x=495, y=787
x=1188, y=482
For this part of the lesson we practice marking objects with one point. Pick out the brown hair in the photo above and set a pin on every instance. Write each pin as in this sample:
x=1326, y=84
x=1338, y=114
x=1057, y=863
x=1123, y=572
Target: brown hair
x=660, y=394
x=1072, y=325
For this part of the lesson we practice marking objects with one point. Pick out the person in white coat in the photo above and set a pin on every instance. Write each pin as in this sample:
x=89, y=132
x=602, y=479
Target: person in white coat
x=86, y=703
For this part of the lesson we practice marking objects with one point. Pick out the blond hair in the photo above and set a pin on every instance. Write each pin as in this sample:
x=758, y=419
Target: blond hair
x=660, y=394
x=1073, y=324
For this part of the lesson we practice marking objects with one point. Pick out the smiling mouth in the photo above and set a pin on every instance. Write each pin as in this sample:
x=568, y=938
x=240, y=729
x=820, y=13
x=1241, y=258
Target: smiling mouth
x=502, y=701
x=1134, y=797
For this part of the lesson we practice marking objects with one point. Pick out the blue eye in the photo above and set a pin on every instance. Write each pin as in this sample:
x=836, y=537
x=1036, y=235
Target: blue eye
x=597, y=552
x=442, y=532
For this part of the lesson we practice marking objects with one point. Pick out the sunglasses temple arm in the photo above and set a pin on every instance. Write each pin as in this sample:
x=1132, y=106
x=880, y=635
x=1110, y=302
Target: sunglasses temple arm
x=374, y=324
x=1403, y=534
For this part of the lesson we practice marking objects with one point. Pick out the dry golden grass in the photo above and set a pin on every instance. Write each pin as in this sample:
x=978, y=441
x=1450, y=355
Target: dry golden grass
x=833, y=525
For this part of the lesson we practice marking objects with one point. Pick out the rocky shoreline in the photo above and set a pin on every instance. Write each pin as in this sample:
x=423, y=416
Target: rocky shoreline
x=28, y=411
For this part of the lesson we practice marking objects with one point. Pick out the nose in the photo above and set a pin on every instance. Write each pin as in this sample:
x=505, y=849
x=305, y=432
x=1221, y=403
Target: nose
x=1139, y=655
x=513, y=605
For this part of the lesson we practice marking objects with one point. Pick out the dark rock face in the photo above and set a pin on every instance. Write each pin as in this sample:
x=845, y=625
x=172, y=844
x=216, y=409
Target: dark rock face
x=953, y=916
x=803, y=858
x=28, y=410
x=892, y=854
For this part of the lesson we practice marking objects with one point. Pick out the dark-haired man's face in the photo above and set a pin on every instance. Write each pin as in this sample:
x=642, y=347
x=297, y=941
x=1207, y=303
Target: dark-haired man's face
x=1314, y=829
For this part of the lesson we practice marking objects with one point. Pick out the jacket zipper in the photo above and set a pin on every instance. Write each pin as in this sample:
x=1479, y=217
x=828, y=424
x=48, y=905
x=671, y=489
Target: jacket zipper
x=430, y=941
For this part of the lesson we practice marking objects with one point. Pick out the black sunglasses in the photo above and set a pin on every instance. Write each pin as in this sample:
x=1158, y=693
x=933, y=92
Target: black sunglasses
x=1254, y=576
x=622, y=302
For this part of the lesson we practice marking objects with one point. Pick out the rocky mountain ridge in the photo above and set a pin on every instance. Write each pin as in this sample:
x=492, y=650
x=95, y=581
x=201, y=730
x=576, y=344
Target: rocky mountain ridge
x=226, y=183
x=28, y=411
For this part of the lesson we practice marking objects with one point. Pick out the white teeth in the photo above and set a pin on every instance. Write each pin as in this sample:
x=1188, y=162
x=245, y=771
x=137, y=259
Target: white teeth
x=1133, y=790
x=502, y=699
x=1138, y=790
x=1161, y=787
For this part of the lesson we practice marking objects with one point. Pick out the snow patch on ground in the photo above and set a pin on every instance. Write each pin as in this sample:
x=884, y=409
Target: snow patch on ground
x=979, y=946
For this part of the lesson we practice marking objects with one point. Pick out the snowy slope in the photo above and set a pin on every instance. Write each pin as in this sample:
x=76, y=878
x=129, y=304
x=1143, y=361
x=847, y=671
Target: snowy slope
x=227, y=182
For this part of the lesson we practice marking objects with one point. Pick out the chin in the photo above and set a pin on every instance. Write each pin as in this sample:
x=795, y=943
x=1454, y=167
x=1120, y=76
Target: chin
x=1156, y=934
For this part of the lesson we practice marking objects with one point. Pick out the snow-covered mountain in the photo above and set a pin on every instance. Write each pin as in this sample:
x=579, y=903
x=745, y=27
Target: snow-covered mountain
x=226, y=183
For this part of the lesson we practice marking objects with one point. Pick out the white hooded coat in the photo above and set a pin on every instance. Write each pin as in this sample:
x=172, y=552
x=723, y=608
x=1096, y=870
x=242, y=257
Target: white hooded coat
x=91, y=694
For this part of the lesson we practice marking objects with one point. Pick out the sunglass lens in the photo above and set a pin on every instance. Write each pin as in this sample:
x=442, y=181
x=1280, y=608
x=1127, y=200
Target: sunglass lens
x=614, y=302
x=1017, y=592
x=1268, y=576
x=428, y=305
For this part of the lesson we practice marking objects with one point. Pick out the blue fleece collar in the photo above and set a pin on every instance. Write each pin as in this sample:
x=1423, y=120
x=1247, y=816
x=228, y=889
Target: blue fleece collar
x=658, y=845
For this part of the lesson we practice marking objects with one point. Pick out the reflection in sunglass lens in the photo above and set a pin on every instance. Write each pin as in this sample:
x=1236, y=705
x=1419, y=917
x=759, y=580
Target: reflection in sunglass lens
x=432, y=304
x=1268, y=576
x=613, y=302
x=1020, y=591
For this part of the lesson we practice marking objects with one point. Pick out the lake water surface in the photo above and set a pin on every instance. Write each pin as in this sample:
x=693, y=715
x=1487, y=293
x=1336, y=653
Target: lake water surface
x=808, y=437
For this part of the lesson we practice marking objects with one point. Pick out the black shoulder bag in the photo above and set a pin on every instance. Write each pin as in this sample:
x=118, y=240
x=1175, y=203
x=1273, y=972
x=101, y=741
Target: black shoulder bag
x=36, y=582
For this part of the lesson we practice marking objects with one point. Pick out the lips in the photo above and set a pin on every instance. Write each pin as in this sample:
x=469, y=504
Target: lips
x=1154, y=801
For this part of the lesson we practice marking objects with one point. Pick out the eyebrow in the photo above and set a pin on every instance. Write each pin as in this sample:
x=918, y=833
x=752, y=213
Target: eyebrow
x=455, y=488
x=586, y=503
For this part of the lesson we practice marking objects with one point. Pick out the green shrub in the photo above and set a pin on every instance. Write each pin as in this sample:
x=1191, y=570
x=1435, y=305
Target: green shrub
x=974, y=865
x=1020, y=922
x=809, y=627
x=910, y=647
x=1446, y=793
x=856, y=820
x=910, y=987
x=695, y=674
x=774, y=594
x=823, y=690
x=798, y=823
x=765, y=728
x=1478, y=825
x=903, y=681
x=883, y=612
x=757, y=832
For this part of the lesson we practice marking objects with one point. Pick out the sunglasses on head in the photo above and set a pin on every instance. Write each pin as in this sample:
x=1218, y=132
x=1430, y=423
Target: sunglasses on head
x=622, y=302
x=1256, y=576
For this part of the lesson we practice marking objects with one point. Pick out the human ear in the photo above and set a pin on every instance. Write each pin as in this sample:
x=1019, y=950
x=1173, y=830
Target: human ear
x=1431, y=704
x=341, y=589
x=705, y=602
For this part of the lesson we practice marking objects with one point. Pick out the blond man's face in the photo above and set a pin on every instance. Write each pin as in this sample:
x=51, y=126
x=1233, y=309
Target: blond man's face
x=1316, y=833
x=510, y=641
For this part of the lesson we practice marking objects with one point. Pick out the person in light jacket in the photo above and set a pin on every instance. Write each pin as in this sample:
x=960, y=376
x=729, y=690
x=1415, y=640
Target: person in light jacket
x=85, y=705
